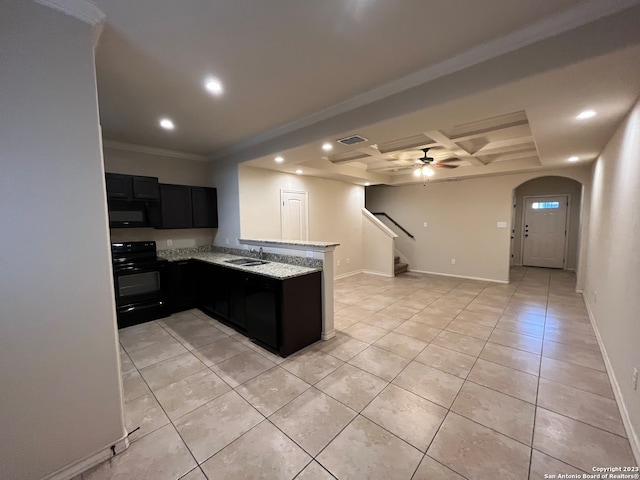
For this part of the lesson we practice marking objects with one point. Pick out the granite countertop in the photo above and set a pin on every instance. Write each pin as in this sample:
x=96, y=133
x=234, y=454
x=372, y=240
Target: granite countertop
x=284, y=243
x=277, y=270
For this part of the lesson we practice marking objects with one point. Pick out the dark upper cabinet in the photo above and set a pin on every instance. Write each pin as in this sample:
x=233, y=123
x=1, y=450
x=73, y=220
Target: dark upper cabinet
x=132, y=187
x=188, y=207
x=119, y=186
x=175, y=204
x=204, y=201
x=146, y=188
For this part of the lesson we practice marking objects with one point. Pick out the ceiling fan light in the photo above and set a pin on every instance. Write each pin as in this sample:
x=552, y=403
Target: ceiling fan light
x=417, y=172
x=428, y=171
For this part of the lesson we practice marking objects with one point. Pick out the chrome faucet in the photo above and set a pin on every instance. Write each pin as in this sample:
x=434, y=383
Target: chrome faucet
x=261, y=254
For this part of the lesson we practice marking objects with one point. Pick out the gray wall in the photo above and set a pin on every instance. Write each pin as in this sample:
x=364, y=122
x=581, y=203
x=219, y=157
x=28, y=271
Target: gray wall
x=613, y=263
x=60, y=388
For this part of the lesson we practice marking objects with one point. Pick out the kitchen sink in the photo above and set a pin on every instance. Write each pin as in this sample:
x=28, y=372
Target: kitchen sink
x=247, y=262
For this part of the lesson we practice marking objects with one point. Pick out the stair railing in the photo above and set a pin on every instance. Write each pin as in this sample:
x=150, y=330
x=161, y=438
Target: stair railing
x=394, y=222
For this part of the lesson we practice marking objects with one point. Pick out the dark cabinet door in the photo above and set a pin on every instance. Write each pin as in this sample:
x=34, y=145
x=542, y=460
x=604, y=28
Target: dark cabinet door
x=213, y=290
x=145, y=188
x=119, y=186
x=236, y=281
x=205, y=207
x=261, y=301
x=175, y=202
x=180, y=285
x=300, y=312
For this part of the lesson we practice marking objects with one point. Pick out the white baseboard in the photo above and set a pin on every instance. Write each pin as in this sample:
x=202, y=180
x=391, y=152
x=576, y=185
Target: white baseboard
x=461, y=276
x=632, y=435
x=76, y=468
x=380, y=274
x=328, y=335
x=348, y=274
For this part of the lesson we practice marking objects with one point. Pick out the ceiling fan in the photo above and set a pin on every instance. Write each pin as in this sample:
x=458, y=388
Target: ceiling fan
x=426, y=160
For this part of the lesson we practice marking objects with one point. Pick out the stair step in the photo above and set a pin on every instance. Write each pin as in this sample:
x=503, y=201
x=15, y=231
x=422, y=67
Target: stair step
x=400, y=268
x=396, y=259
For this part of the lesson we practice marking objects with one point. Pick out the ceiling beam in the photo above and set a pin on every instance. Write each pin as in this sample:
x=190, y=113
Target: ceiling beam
x=449, y=144
x=481, y=132
x=496, y=147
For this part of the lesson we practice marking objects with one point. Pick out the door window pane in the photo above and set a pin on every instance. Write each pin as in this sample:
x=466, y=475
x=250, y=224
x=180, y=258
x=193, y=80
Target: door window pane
x=543, y=205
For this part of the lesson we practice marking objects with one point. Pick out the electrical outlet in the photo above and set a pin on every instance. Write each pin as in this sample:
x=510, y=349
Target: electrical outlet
x=310, y=254
x=634, y=378
x=425, y=224
x=453, y=261
x=347, y=261
x=338, y=263
x=226, y=240
x=169, y=243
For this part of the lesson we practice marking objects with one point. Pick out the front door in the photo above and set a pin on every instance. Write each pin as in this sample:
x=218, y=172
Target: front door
x=293, y=205
x=544, y=235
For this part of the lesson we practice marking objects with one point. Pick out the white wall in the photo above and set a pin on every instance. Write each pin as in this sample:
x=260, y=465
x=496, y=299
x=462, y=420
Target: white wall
x=613, y=260
x=334, y=211
x=378, y=244
x=168, y=170
x=60, y=390
x=462, y=221
x=551, y=186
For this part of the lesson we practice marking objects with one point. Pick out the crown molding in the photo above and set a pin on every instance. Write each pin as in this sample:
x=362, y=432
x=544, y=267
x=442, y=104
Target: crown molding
x=83, y=10
x=583, y=13
x=162, y=152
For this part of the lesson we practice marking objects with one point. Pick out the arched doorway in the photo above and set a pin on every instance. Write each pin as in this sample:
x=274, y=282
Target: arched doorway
x=563, y=197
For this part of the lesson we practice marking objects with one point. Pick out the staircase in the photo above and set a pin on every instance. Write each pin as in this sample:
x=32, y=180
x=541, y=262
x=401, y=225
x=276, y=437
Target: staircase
x=399, y=267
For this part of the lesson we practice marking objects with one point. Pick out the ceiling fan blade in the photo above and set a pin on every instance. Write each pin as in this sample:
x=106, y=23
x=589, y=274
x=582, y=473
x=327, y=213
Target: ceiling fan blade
x=447, y=160
x=442, y=165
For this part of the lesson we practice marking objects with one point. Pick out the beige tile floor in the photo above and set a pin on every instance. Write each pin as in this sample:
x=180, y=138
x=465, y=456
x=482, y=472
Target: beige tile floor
x=428, y=377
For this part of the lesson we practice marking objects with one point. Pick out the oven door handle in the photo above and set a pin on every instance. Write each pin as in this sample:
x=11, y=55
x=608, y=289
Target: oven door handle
x=138, y=269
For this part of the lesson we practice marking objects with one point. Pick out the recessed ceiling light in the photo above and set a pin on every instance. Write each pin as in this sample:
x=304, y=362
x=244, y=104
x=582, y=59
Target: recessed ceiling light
x=167, y=124
x=327, y=147
x=213, y=86
x=586, y=114
x=367, y=184
x=299, y=172
x=279, y=159
x=573, y=159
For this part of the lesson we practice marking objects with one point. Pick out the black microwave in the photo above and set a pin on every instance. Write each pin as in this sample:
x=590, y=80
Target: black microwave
x=129, y=214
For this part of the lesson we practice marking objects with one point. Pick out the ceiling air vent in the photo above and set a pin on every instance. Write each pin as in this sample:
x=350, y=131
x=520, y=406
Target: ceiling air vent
x=352, y=140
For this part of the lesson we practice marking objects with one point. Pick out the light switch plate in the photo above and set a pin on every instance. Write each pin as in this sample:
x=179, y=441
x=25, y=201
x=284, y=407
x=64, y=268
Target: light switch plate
x=502, y=224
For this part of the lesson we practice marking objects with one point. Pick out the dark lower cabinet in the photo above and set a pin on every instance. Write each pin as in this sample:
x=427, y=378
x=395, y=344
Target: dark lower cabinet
x=300, y=313
x=262, y=310
x=281, y=315
x=180, y=285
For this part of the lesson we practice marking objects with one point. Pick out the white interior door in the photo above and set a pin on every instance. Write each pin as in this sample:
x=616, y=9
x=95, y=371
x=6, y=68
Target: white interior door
x=544, y=234
x=294, y=214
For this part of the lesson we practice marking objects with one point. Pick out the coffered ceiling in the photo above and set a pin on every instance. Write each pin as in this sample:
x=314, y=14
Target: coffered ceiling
x=486, y=92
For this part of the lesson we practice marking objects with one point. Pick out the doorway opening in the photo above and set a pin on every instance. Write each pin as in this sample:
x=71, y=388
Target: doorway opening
x=546, y=224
